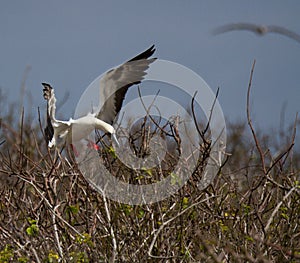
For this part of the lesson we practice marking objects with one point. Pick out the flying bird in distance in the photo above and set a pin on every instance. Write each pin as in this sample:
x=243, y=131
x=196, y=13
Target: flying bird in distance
x=257, y=29
x=113, y=87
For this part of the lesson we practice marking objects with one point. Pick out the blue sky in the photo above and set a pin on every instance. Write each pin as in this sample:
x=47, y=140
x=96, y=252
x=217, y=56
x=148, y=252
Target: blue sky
x=70, y=43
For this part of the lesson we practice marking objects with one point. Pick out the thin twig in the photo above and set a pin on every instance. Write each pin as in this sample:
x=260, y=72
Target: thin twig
x=60, y=251
x=293, y=137
x=257, y=143
x=277, y=208
x=260, y=151
x=49, y=205
x=148, y=109
x=169, y=221
x=112, y=233
x=211, y=111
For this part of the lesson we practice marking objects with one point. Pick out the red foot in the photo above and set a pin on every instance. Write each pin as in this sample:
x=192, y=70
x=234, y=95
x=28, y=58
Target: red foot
x=76, y=153
x=93, y=145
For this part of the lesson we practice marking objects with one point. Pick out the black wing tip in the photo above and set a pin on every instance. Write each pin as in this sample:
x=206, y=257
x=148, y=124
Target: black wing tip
x=151, y=50
x=144, y=55
x=47, y=90
x=46, y=85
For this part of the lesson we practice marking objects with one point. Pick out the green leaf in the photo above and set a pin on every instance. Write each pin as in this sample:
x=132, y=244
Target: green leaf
x=147, y=171
x=6, y=254
x=185, y=202
x=112, y=152
x=74, y=209
x=32, y=230
x=23, y=259
x=85, y=238
x=175, y=179
x=52, y=257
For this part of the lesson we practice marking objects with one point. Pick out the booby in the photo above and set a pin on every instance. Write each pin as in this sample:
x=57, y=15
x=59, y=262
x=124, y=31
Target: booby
x=113, y=87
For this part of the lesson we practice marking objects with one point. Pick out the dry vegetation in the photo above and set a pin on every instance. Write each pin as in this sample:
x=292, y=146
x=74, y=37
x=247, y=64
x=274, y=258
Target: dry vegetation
x=250, y=213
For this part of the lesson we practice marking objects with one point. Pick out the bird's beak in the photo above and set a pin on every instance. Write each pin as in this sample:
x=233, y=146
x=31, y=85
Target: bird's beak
x=114, y=138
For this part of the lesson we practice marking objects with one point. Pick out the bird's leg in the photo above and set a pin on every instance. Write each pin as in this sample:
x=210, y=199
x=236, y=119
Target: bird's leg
x=93, y=145
x=76, y=153
x=58, y=157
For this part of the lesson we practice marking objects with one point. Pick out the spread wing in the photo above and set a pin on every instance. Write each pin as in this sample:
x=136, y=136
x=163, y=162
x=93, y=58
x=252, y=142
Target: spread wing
x=49, y=96
x=258, y=29
x=53, y=125
x=285, y=32
x=115, y=83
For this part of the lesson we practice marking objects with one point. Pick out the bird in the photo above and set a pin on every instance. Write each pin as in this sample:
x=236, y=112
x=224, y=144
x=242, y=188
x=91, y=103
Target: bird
x=113, y=87
x=257, y=29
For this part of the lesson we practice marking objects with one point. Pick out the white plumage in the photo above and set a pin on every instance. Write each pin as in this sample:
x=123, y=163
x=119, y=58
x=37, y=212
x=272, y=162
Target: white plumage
x=113, y=87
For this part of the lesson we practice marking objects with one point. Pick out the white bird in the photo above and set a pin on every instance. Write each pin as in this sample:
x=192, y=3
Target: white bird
x=258, y=29
x=113, y=87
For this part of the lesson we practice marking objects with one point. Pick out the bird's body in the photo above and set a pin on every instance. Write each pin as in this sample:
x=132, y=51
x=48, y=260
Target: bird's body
x=258, y=29
x=113, y=87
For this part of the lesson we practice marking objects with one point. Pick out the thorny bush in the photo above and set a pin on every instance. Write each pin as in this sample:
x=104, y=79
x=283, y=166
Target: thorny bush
x=250, y=213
